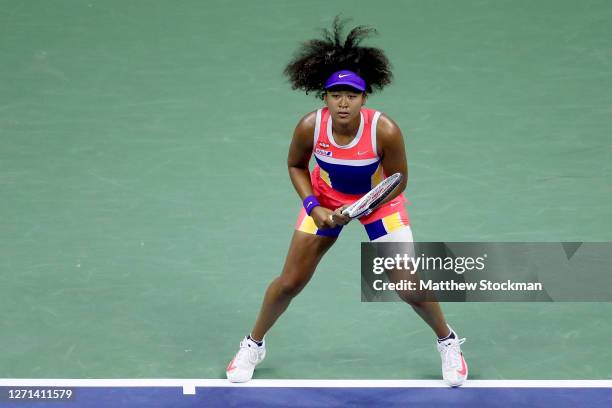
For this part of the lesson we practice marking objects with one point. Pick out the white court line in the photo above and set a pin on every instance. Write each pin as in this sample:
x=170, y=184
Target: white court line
x=189, y=385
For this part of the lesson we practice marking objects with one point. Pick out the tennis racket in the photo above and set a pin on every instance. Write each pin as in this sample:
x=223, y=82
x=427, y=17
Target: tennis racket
x=366, y=204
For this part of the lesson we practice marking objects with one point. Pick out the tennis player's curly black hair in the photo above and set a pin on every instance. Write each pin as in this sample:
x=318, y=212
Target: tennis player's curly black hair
x=317, y=59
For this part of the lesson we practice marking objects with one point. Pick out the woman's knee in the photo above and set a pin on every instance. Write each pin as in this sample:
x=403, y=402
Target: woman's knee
x=414, y=299
x=290, y=287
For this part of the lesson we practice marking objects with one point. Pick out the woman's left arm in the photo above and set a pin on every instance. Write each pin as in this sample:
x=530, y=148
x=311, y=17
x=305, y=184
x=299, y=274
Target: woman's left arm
x=390, y=146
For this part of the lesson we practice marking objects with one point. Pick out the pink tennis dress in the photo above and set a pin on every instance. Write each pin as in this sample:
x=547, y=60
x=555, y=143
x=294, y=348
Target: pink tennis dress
x=344, y=173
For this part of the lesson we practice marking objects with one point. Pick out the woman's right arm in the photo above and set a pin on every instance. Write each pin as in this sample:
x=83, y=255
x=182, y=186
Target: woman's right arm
x=300, y=151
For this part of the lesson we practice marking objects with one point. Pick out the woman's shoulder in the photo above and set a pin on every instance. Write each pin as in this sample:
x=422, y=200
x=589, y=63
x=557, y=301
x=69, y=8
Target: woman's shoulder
x=307, y=122
x=387, y=128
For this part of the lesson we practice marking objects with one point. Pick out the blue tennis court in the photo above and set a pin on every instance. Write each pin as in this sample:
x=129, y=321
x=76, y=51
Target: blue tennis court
x=181, y=393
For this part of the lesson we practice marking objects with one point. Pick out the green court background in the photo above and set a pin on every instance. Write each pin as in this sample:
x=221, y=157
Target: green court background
x=145, y=203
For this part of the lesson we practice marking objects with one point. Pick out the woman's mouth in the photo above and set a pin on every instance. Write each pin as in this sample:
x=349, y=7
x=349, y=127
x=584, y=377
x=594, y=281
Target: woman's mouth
x=343, y=115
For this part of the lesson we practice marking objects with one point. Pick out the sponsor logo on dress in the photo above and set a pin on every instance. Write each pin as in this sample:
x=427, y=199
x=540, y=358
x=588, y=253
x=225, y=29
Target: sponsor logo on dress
x=323, y=152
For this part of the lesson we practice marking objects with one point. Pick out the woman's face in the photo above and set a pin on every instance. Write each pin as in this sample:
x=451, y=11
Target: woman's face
x=344, y=104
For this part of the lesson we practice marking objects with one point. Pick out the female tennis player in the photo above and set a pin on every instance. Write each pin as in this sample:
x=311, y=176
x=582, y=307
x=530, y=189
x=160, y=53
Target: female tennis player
x=354, y=148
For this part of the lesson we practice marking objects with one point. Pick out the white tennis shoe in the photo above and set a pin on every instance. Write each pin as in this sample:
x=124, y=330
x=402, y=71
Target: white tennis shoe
x=242, y=366
x=454, y=367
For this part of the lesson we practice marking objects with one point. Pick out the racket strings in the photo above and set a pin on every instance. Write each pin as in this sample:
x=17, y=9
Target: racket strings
x=374, y=196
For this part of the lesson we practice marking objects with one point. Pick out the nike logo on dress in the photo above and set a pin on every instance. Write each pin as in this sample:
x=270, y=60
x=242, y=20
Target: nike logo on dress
x=394, y=204
x=342, y=76
x=463, y=370
x=361, y=153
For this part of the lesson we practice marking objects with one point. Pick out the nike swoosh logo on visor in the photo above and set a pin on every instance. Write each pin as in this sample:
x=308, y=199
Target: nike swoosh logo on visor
x=345, y=75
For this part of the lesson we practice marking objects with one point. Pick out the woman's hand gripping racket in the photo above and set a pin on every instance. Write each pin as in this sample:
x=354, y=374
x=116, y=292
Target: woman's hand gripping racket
x=366, y=204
